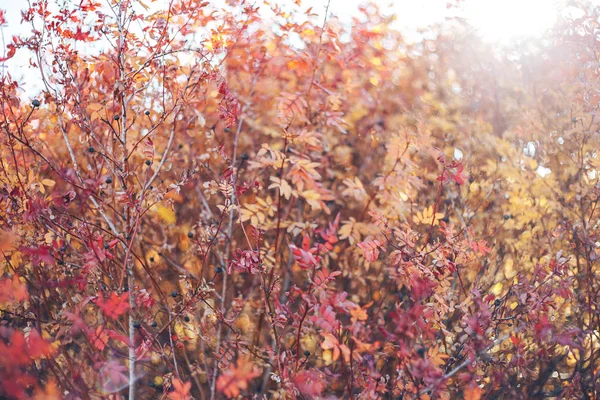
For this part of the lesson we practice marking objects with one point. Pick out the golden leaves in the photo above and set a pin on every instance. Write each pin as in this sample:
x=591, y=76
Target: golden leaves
x=258, y=213
x=284, y=187
x=48, y=182
x=354, y=189
x=427, y=217
x=353, y=231
x=268, y=157
x=312, y=198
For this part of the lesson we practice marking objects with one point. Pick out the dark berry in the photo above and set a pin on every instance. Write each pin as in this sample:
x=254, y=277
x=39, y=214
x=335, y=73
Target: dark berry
x=151, y=259
x=106, y=246
x=497, y=302
x=219, y=270
x=147, y=112
x=245, y=156
x=306, y=353
x=190, y=235
x=91, y=149
x=148, y=162
x=173, y=294
x=136, y=325
x=36, y=103
x=117, y=117
x=109, y=180
x=186, y=319
x=421, y=351
x=154, y=324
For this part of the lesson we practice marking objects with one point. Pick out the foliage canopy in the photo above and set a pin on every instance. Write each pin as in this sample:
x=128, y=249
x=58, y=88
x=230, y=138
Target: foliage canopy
x=205, y=203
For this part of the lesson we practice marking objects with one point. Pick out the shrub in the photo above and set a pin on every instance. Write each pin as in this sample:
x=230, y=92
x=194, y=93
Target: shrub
x=203, y=202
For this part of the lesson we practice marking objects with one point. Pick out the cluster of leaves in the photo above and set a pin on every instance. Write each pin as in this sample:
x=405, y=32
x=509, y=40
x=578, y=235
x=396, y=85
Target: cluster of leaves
x=210, y=204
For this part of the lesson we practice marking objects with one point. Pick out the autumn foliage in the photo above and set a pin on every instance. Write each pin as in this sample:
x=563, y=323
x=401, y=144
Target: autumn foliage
x=242, y=200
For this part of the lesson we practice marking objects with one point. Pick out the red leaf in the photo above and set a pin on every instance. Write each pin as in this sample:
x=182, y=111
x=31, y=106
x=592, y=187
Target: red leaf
x=99, y=338
x=115, y=306
x=371, y=249
x=309, y=383
x=305, y=256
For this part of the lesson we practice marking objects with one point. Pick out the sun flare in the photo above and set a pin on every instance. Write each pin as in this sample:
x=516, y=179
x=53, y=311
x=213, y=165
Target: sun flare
x=511, y=19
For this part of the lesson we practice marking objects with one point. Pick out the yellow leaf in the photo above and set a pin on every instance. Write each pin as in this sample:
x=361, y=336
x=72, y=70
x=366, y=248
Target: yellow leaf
x=166, y=214
x=243, y=323
x=284, y=187
x=496, y=289
x=310, y=195
x=403, y=196
x=327, y=357
x=312, y=198
x=48, y=182
x=49, y=238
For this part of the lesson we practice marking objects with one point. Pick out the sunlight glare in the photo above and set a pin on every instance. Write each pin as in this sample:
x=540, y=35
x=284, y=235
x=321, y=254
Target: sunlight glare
x=511, y=19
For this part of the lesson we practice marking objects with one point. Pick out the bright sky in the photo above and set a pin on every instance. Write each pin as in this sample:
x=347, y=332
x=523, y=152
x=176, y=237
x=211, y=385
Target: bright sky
x=494, y=20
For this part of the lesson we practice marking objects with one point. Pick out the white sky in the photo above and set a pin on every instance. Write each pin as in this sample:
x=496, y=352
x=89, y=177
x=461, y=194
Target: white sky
x=495, y=20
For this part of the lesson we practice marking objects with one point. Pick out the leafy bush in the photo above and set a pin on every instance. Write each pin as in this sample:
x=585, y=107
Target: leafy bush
x=204, y=203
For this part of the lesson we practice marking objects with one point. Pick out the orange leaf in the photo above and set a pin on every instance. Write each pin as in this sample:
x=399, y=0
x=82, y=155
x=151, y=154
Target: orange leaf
x=233, y=381
x=182, y=390
x=473, y=393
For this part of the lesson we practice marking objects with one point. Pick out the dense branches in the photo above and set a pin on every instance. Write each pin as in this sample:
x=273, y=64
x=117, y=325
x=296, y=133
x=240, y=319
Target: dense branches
x=205, y=203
